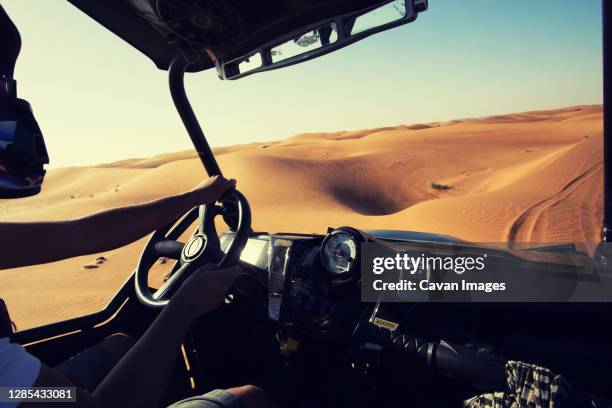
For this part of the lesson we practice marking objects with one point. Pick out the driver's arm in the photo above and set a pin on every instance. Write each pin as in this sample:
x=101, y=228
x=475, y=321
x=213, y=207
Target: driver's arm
x=141, y=376
x=99, y=232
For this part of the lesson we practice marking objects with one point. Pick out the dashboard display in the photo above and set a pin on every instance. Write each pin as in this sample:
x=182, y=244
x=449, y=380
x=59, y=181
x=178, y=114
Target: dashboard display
x=253, y=250
x=339, y=253
x=254, y=253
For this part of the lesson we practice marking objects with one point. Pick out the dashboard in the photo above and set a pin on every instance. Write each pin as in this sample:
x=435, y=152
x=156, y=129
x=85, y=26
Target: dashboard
x=312, y=280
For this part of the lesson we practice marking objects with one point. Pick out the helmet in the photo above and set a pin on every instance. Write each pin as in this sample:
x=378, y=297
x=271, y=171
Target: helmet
x=22, y=150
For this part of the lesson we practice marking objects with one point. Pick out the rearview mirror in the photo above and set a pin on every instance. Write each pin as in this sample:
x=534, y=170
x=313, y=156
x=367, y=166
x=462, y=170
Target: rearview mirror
x=380, y=16
x=308, y=42
x=324, y=37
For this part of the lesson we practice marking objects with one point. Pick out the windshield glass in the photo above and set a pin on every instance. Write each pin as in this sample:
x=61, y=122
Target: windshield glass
x=481, y=121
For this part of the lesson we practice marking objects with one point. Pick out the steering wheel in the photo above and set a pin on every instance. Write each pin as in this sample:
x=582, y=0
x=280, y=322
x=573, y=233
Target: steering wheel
x=202, y=248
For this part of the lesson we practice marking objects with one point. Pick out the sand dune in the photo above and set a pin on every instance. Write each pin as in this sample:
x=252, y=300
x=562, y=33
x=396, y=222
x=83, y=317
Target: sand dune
x=534, y=176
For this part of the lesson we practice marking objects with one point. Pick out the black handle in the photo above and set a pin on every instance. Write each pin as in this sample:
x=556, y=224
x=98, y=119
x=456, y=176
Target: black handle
x=475, y=366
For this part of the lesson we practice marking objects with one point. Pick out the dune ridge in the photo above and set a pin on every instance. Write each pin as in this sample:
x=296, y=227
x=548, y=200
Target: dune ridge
x=531, y=176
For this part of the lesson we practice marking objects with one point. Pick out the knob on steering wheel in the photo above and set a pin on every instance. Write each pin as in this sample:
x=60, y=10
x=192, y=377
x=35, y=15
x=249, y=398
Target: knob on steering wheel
x=203, y=247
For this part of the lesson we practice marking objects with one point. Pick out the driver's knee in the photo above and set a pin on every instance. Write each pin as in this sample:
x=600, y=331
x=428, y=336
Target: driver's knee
x=88, y=368
x=251, y=396
x=117, y=345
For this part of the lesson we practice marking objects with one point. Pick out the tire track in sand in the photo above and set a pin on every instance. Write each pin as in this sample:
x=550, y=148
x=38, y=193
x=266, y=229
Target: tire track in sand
x=524, y=225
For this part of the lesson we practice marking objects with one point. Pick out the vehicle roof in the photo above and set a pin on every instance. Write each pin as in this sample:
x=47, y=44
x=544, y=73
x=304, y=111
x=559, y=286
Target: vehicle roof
x=161, y=29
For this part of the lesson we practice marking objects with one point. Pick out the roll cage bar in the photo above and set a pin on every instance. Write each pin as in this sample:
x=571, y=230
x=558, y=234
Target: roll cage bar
x=176, y=76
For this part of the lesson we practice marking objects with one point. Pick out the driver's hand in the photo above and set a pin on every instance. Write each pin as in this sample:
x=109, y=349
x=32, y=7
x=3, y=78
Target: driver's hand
x=205, y=290
x=211, y=189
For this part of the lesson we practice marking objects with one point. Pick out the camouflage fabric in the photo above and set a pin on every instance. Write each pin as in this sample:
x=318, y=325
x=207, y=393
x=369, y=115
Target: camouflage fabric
x=528, y=386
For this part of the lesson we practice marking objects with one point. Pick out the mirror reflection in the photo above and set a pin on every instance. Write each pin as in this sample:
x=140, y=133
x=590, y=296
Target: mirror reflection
x=250, y=63
x=385, y=14
x=309, y=41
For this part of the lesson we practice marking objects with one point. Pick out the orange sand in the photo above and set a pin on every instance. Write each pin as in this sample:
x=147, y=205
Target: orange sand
x=534, y=176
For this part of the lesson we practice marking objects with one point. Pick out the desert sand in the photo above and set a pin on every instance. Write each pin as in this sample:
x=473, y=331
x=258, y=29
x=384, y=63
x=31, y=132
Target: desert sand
x=534, y=176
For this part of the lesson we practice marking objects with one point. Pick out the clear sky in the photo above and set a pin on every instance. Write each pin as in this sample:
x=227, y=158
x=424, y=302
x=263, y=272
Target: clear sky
x=99, y=100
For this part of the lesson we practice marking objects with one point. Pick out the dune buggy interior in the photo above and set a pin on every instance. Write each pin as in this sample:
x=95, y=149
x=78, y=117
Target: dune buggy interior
x=295, y=323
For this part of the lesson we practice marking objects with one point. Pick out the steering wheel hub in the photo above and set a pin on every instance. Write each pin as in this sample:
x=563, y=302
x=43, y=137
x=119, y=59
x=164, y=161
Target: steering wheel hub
x=194, y=248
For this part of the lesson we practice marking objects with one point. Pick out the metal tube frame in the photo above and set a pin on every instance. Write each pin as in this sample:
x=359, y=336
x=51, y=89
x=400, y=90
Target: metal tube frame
x=176, y=76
